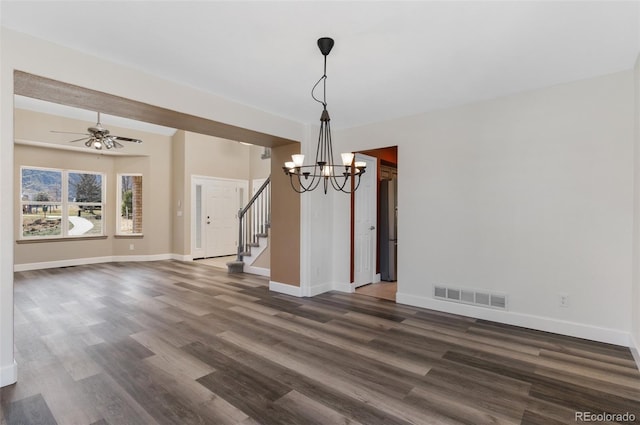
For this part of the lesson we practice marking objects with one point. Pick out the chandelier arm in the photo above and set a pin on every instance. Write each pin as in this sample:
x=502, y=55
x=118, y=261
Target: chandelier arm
x=294, y=187
x=336, y=185
x=315, y=181
x=339, y=186
x=354, y=187
x=329, y=145
x=318, y=148
x=358, y=183
x=313, y=184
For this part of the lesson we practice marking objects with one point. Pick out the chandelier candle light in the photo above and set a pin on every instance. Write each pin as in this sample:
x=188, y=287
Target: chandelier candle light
x=308, y=177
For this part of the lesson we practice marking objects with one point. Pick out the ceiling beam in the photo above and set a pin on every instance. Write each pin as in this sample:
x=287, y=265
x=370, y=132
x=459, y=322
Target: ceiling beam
x=42, y=88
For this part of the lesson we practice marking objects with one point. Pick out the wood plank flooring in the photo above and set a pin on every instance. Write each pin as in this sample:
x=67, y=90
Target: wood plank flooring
x=384, y=290
x=168, y=342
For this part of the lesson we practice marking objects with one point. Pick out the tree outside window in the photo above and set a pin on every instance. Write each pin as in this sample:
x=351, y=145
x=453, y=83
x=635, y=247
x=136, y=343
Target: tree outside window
x=61, y=203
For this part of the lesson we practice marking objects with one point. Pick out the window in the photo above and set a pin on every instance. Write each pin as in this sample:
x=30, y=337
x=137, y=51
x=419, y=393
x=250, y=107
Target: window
x=129, y=204
x=61, y=203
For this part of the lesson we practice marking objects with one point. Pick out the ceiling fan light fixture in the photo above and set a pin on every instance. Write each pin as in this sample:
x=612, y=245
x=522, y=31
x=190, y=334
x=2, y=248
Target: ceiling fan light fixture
x=99, y=137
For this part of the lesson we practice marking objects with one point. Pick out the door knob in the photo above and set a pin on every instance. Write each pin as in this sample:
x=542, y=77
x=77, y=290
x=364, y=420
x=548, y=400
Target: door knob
x=372, y=228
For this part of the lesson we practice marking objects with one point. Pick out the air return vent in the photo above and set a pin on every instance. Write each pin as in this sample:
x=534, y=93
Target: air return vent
x=470, y=296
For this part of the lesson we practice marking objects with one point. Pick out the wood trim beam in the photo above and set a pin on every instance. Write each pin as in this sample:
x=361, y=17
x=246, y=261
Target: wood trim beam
x=42, y=88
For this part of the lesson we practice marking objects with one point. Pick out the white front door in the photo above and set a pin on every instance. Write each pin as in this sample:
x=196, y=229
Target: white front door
x=215, y=216
x=221, y=200
x=365, y=215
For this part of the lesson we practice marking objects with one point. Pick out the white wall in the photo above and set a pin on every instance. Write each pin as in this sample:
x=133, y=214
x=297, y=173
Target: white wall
x=21, y=52
x=530, y=195
x=635, y=328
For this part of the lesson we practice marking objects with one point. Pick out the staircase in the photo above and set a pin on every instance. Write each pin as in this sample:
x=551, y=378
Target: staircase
x=254, y=221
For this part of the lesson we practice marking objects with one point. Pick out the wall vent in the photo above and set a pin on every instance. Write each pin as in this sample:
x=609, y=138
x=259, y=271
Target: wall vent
x=470, y=296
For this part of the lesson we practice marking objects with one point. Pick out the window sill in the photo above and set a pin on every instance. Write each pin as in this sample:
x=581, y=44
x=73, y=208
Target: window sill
x=134, y=236
x=44, y=240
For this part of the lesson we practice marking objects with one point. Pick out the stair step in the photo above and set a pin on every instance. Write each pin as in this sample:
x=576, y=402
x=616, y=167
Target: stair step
x=246, y=254
x=262, y=235
x=235, y=267
x=254, y=244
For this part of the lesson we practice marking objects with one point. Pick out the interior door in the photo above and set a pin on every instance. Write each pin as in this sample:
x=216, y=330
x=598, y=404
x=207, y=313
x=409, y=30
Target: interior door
x=222, y=201
x=365, y=216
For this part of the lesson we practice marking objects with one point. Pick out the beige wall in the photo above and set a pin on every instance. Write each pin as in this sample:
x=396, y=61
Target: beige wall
x=57, y=251
x=165, y=162
x=155, y=167
x=285, y=220
x=179, y=244
x=258, y=168
x=216, y=157
x=211, y=157
x=264, y=259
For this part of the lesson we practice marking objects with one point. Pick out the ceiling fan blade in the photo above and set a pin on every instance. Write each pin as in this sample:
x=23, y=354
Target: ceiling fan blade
x=77, y=140
x=127, y=139
x=69, y=132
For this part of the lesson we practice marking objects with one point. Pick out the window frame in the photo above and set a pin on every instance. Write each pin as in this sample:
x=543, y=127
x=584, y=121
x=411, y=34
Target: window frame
x=118, y=231
x=64, y=205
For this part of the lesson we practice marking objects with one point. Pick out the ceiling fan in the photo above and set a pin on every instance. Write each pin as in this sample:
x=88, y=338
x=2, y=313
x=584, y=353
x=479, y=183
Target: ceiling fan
x=99, y=137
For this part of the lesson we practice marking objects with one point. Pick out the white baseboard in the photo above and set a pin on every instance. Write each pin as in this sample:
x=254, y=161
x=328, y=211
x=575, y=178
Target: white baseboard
x=283, y=288
x=344, y=287
x=8, y=374
x=95, y=260
x=260, y=271
x=635, y=350
x=153, y=257
x=298, y=291
x=314, y=290
x=61, y=263
x=546, y=324
x=181, y=257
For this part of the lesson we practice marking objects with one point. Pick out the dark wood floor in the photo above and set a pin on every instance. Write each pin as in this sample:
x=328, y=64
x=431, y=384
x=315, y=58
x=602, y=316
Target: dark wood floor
x=181, y=343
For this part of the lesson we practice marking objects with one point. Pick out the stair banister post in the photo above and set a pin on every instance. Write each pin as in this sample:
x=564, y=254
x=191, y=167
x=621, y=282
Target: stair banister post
x=240, y=235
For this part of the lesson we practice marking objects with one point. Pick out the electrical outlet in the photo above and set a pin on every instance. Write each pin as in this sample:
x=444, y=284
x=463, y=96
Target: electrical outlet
x=564, y=300
x=131, y=247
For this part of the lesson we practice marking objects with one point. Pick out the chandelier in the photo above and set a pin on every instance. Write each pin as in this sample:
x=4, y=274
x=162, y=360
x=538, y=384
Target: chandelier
x=344, y=177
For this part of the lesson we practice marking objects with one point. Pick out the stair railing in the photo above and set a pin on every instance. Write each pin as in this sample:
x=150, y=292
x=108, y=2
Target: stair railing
x=254, y=219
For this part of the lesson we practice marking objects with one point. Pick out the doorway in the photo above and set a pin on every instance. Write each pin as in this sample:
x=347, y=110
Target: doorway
x=364, y=227
x=215, y=208
x=381, y=282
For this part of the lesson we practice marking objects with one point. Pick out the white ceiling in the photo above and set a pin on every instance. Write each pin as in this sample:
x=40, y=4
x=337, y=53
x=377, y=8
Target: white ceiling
x=391, y=59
